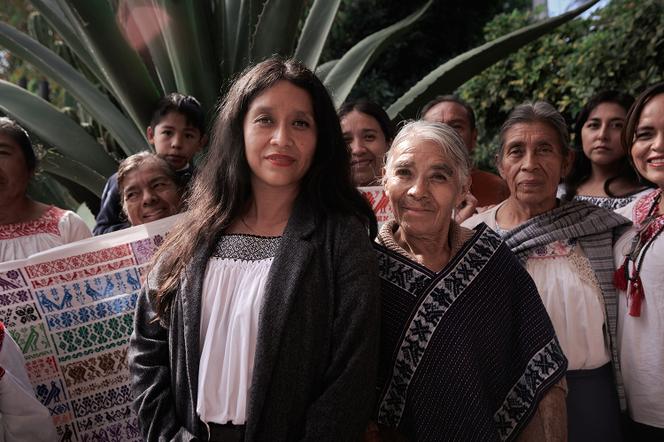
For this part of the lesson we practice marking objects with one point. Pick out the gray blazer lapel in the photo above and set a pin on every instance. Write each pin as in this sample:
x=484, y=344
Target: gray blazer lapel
x=285, y=275
x=191, y=293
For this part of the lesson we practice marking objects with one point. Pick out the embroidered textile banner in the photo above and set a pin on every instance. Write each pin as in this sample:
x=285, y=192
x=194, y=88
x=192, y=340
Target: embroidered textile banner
x=70, y=310
x=379, y=203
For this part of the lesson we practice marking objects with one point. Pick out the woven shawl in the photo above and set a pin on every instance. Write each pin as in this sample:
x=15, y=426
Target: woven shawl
x=595, y=229
x=467, y=352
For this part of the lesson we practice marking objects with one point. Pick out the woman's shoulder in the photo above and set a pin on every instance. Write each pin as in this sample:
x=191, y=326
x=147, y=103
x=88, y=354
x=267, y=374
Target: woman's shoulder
x=487, y=217
x=641, y=200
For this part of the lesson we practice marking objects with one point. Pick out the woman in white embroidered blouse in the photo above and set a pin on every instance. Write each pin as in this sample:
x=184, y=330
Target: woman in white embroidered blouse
x=27, y=226
x=567, y=249
x=639, y=257
x=260, y=317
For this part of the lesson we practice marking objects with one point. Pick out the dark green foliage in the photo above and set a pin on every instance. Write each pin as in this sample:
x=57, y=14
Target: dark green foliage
x=447, y=29
x=619, y=47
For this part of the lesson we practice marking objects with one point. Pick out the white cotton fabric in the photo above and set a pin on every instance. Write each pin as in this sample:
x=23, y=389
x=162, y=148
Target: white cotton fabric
x=573, y=301
x=576, y=310
x=232, y=297
x=33, y=239
x=22, y=416
x=641, y=339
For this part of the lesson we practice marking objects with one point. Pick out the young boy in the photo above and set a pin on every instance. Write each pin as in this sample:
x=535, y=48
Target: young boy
x=177, y=132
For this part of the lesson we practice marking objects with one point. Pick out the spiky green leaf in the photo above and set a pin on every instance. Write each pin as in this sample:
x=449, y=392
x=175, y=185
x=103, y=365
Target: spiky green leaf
x=324, y=69
x=315, y=31
x=55, y=128
x=345, y=73
x=186, y=33
x=95, y=103
x=129, y=79
x=57, y=19
x=57, y=164
x=46, y=189
x=452, y=74
x=276, y=29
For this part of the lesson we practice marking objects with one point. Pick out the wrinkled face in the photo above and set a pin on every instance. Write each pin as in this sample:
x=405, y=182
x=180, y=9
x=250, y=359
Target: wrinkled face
x=600, y=135
x=532, y=163
x=149, y=194
x=14, y=173
x=174, y=140
x=423, y=187
x=456, y=116
x=368, y=145
x=648, y=147
x=280, y=136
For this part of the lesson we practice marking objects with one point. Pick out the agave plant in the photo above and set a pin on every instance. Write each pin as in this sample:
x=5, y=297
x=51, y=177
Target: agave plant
x=116, y=58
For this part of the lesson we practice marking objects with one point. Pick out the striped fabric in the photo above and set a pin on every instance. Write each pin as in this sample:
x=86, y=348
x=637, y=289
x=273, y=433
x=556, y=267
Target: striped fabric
x=595, y=229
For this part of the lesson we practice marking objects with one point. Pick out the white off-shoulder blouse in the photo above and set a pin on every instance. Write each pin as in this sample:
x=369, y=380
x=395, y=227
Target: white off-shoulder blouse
x=233, y=290
x=571, y=294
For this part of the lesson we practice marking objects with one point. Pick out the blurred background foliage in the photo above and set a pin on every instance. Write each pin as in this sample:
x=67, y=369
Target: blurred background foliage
x=375, y=48
x=620, y=46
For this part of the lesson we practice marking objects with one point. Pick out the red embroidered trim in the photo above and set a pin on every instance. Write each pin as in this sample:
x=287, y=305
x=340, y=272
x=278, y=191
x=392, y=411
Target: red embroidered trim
x=2, y=340
x=47, y=223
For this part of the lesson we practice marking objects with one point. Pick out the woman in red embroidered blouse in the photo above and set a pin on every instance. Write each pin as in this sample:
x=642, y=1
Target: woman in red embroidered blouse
x=639, y=255
x=27, y=226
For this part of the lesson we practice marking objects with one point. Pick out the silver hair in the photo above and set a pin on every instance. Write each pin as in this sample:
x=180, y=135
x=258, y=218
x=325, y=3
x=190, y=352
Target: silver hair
x=536, y=112
x=451, y=145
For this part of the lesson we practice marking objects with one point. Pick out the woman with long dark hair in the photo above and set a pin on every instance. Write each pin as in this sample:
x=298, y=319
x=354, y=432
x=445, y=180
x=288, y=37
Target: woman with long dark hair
x=639, y=256
x=601, y=173
x=260, y=315
x=368, y=132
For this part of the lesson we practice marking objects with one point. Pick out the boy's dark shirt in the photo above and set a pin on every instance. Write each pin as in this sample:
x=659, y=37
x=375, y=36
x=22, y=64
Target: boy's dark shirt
x=110, y=217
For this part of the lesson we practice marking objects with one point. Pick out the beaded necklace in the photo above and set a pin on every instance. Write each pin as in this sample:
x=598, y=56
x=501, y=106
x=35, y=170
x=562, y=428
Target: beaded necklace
x=650, y=224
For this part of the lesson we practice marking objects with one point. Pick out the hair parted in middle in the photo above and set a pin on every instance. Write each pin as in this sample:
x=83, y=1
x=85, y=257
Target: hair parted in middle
x=135, y=162
x=372, y=109
x=582, y=167
x=222, y=187
x=448, y=139
x=536, y=112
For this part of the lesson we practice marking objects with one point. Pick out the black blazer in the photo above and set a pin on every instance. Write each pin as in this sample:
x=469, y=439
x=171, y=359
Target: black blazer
x=316, y=353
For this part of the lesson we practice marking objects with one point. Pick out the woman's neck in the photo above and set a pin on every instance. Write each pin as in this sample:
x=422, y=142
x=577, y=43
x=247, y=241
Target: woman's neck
x=432, y=251
x=20, y=210
x=514, y=212
x=268, y=210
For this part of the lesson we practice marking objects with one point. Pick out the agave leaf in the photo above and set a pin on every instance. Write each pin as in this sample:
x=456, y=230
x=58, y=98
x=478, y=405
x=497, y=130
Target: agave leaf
x=46, y=189
x=55, y=128
x=452, y=74
x=324, y=69
x=57, y=164
x=59, y=22
x=315, y=31
x=276, y=29
x=130, y=81
x=186, y=33
x=95, y=103
x=345, y=73
x=240, y=20
x=145, y=15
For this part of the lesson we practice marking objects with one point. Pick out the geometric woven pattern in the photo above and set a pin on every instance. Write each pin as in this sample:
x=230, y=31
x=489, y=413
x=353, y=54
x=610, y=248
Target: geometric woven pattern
x=72, y=314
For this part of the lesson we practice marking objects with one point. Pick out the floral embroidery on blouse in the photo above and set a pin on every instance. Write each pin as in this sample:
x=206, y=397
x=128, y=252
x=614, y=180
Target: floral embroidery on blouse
x=47, y=223
x=555, y=249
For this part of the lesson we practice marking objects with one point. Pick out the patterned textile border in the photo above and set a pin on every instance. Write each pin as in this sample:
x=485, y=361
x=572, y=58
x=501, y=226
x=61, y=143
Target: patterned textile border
x=70, y=310
x=543, y=364
x=423, y=324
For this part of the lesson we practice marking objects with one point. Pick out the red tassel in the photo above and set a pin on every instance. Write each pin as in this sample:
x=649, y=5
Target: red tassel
x=620, y=277
x=636, y=297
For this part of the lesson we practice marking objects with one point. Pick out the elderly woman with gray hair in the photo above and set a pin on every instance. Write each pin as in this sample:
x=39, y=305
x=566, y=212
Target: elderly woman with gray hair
x=467, y=349
x=567, y=249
